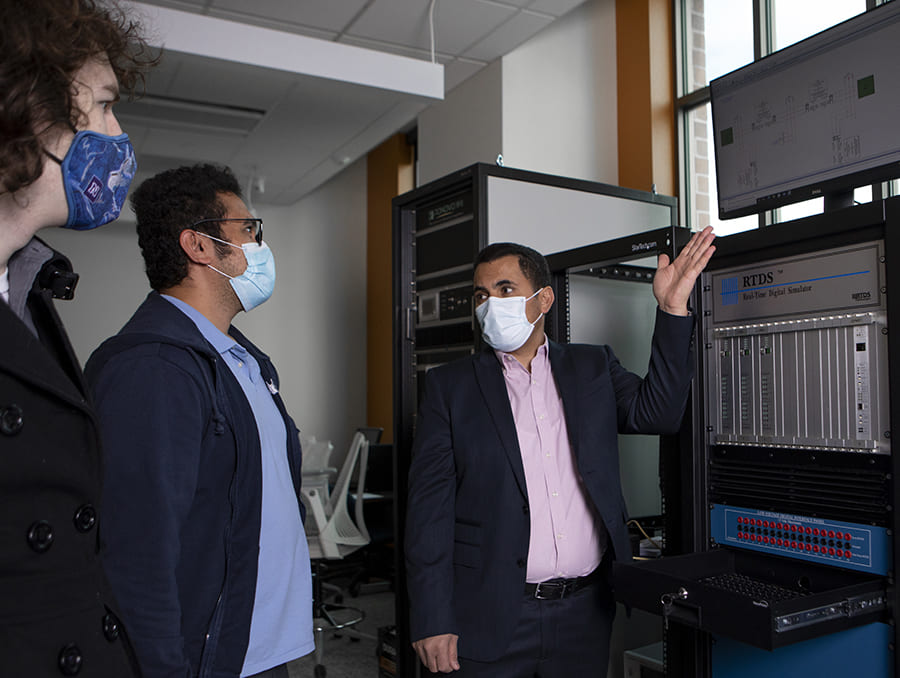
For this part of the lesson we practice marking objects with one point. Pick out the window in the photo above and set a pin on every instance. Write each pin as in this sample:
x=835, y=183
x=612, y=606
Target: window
x=716, y=37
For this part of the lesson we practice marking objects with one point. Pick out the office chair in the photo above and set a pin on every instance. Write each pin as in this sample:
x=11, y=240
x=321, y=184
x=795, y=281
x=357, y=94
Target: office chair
x=372, y=433
x=316, y=454
x=332, y=534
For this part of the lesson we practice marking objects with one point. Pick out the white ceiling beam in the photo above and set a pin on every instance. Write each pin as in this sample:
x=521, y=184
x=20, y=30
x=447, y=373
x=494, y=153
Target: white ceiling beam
x=233, y=41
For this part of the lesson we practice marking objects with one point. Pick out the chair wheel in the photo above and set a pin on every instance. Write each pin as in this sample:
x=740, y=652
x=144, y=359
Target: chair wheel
x=319, y=671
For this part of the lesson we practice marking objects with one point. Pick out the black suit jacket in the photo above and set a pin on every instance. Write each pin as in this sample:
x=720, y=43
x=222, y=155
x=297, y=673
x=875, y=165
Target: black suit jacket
x=467, y=529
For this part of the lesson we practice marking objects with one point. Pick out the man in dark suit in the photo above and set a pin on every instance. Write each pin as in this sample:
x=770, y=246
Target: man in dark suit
x=515, y=505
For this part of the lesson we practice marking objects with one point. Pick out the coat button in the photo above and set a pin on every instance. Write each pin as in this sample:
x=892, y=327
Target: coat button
x=40, y=536
x=11, y=420
x=85, y=518
x=110, y=627
x=520, y=562
x=70, y=660
x=525, y=509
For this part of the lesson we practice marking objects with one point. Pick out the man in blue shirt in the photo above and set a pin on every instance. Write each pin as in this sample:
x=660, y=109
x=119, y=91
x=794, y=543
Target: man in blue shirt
x=206, y=550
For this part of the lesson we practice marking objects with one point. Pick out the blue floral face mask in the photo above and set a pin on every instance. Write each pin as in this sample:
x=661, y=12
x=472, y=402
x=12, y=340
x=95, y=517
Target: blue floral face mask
x=97, y=172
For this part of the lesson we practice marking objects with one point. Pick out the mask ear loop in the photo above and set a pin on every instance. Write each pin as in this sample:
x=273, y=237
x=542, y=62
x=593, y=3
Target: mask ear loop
x=52, y=157
x=539, y=314
x=225, y=242
x=230, y=277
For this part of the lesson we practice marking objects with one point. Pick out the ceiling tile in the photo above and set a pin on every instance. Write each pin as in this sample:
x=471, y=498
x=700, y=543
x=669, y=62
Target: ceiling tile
x=555, y=7
x=392, y=48
x=514, y=3
x=220, y=82
x=457, y=24
x=314, y=119
x=330, y=16
x=328, y=105
x=460, y=70
x=274, y=24
x=399, y=115
x=197, y=6
x=312, y=127
x=508, y=36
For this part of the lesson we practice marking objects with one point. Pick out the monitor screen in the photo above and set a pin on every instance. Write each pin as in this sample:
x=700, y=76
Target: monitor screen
x=817, y=118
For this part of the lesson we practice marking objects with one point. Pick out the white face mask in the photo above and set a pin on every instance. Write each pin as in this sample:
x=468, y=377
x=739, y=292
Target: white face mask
x=504, y=323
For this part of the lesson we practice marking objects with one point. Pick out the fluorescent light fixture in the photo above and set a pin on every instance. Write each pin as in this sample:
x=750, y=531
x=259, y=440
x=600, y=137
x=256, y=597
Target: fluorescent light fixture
x=174, y=113
x=233, y=41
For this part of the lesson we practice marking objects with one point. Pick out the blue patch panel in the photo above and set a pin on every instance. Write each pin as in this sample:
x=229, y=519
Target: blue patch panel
x=831, y=542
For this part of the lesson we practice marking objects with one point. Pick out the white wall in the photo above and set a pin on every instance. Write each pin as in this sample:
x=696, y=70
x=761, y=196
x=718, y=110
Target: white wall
x=465, y=128
x=313, y=327
x=548, y=106
x=111, y=285
x=559, y=97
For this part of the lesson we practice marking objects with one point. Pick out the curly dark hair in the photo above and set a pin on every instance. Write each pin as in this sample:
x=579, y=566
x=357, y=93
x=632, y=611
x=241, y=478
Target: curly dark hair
x=532, y=263
x=43, y=44
x=172, y=201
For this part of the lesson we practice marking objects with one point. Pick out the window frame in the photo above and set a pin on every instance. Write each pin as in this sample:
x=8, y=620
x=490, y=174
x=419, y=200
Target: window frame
x=688, y=101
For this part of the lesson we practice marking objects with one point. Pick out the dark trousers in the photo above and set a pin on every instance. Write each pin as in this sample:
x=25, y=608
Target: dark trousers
x=280, y=671
x=564, y=638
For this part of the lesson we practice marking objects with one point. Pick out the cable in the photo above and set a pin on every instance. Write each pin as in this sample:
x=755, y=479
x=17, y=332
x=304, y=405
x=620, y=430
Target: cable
x=431, y=27
x=649, y=538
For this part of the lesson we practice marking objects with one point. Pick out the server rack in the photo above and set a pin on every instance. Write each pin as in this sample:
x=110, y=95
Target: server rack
x=438, y=230
x=794, y=402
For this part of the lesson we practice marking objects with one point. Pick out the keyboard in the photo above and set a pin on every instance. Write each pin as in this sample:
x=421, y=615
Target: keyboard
x=752, y=588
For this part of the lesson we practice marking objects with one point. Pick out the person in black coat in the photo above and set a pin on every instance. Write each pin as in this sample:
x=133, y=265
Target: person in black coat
x=63, y=162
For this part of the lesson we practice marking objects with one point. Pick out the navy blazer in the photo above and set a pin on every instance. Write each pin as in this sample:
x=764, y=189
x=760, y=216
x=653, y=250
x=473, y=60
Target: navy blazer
x=467, y=529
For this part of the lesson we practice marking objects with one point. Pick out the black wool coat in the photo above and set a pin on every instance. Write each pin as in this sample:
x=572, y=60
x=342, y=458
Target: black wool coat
x=57, y=617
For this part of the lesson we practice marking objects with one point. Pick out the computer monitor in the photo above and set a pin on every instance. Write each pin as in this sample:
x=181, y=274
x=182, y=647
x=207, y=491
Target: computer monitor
x=817, y=118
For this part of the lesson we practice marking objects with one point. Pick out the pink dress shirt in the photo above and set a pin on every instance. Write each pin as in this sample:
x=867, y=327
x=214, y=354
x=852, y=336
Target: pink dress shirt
x=567, y=538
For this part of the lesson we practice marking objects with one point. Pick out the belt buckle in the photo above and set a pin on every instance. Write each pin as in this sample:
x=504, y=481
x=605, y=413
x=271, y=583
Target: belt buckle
x=558, y=590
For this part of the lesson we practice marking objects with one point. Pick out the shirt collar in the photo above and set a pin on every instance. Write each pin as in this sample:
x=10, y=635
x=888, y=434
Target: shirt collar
x=508, y=358
x=219, y=340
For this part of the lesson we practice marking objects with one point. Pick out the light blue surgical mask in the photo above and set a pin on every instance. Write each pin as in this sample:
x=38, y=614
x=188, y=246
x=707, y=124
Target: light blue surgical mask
x=256, y=284
x=97, y=171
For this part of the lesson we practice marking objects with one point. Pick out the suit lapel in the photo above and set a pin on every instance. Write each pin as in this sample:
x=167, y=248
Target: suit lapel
x=566, y=377
x=489, y=375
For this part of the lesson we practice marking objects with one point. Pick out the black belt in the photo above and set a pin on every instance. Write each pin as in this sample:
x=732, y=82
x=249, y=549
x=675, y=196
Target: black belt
x=554, y=589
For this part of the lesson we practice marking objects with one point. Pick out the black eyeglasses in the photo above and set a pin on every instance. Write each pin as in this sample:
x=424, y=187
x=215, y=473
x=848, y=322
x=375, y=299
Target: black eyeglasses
x=254, y=226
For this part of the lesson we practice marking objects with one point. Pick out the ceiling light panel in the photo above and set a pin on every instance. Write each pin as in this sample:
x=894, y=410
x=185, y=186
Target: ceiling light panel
x=233, y=41
x=184, y=114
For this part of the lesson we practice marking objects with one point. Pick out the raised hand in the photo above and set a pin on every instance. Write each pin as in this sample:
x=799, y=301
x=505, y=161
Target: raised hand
x=674, y=281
